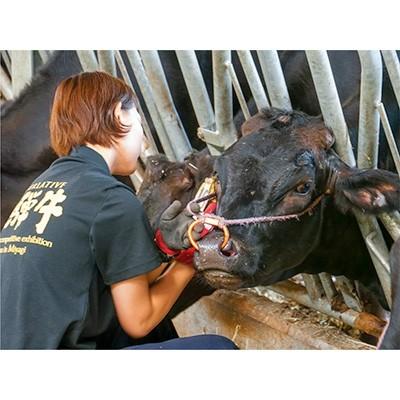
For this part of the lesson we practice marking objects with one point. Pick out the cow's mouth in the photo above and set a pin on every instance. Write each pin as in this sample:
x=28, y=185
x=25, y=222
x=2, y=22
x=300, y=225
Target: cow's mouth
x=220, y=279
x=216, y=265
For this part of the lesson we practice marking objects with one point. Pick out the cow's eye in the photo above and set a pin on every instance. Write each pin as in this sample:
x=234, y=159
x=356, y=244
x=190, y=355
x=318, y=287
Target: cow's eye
x=304, y=188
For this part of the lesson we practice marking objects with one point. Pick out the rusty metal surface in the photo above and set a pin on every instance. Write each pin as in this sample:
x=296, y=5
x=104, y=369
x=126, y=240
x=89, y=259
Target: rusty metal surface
x=298, y=293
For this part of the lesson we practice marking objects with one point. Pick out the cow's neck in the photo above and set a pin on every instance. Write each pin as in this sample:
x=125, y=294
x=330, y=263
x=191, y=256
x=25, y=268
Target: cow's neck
x=341, y=250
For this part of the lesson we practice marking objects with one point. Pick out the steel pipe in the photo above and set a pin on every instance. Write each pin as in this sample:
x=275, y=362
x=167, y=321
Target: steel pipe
x=389, y=136
x=238, y=90
x=146, y=128
x=368, y=225
x=349, y=293
x=333, y=116
x=44, y=56
x=328, y=285
x=88, y=60
x=393, y=67
x=21, y=69
x=274, y=79
x=198, y=95
x=196, y=87
x=107, y=61
x=369, y=121
x=392, y=224
x=253, y=79
x=144, y=85
x=5, y=85
x=163, y=100
x=313, y=286
x=329, y=102
x=7, y=61
x=226, y=132
x=375, y=250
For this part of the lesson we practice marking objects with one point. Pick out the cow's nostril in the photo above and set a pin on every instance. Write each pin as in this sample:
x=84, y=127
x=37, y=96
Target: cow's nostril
x=229, y=250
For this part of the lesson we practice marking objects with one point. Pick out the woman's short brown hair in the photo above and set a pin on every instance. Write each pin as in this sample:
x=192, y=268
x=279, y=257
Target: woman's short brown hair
x=83, y=111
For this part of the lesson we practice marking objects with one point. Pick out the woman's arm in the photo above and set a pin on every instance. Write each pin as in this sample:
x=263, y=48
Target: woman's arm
x=140, y=305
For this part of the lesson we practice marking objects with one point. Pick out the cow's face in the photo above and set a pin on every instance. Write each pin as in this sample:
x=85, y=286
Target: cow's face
x=166, y=181
x=281, y=169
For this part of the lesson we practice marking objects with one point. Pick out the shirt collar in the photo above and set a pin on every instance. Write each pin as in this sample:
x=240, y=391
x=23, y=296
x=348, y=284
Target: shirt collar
x=91, y=156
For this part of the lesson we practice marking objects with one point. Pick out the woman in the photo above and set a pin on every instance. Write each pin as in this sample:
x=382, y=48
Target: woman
x=78, y=257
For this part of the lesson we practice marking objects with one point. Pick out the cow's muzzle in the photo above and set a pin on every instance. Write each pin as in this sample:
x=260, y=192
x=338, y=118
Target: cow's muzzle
x=215, y=263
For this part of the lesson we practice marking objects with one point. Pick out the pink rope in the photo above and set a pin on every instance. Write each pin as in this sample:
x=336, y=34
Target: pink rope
x=252, y=220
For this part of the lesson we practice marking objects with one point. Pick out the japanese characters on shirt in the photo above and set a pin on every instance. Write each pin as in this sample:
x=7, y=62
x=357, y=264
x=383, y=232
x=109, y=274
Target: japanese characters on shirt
x=43, y=199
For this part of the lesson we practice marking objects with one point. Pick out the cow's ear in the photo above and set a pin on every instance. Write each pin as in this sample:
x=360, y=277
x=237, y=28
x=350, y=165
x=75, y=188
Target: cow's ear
x=371, y=191
x=156, y=166
x=253, y=124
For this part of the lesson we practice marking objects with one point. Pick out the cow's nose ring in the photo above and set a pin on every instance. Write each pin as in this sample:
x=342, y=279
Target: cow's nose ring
x=210, y=221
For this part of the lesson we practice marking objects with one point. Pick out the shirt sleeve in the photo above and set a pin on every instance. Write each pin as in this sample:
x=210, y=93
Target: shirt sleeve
x=122, y=238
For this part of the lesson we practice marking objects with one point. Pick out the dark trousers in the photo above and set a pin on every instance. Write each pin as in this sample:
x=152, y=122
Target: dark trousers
x=198, y=342
x=164, y=336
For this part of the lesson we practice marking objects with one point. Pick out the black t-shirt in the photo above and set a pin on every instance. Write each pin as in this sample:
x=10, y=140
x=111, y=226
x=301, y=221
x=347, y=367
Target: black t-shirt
x=75, y=231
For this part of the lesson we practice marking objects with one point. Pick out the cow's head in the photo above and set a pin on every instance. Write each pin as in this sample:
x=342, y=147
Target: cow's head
x=165, y=181
x=283, y=162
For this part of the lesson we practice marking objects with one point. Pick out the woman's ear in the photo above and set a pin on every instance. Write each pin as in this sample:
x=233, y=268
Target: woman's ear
x=118, y=111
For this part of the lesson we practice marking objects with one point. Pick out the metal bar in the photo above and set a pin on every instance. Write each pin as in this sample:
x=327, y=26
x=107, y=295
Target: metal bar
x=329, y=102
x=44, y=56
x=6, y=58
x=127, y=79
x=238, y=90
x=253, y=79
x=165, y=105
x=363, y=321
x=392, y=224
x=144, y=85
x=21, y=69
x=333, y=116
x=369, y=121
x=198, y=94
x=107, y=61
x=88, y=60
x=226, y=131
x=5, y=85
x=274, y=79
x=367, y=225
x=374, y=249
x=313, y=286
x=349, y=293
x=393, y=67
x=328, y=285
x=137, y=176
x=196, y=88
x=389, y=136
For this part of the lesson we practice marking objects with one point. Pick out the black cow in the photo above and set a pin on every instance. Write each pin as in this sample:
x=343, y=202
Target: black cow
x=281, y=169
x=391, y=338
x=282, y=165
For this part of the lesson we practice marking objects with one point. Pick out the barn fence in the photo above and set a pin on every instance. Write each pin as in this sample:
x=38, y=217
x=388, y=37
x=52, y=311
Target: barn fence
x=217, y=130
